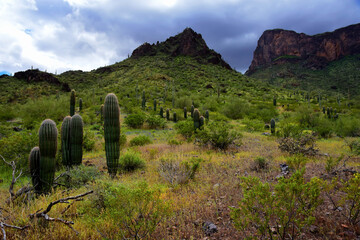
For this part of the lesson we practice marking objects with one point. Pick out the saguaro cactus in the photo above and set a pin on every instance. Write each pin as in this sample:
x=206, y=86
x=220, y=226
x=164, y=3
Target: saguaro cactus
x=274, y=101
x=272, y=126
x=34, y=164
x=201, y=121
x=185, y=113
x=48, y=146
x=143, y=101
x=80, y=104
x=207, y=115
x=174, y=117
x=167, y=114
x=192, y=110
x=65, y=141
x=112, y=133
x=155, y=105
x=196, y=118
x=161, y=112
x=72, y=102
x=76, y=139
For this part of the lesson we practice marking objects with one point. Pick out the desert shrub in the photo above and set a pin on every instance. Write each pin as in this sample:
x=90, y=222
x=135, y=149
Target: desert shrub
x=140, y=140
x=78, y=176
x=324, y=127
x=211, y=104
x=236, y=108
x=174, y=142
x=305, y=144
x=216, y=116
x=89, y=140
x=132, y=211
x=354, y=145
x=287, y=207
x=296, y=162
x=155, y=121
x=350, y=197
x=289, y=129
x=259, y=164
x=332, y=164
x=182, y=102
x=17, y=147
x=176, y=171
x=122, y=139
x=264, y=112
x=253, y=124
x=306, y=117
x=6, y=112
x=347, y=126
x=135, y=120
x=131, y=161
x=218, y=135
x=185, y=128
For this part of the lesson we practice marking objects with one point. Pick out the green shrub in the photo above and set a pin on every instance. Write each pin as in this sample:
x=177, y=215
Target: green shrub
x=253, y=124
x=296, y=162
x=131, y=161
x=122, y=139
x=89, y=140
x=133, y=210
x=288, y=206
x=289, y=129
x=78, y=176
x=259, y=164
x=347, y=126
x=155, y=121
x=324, y=127
x=185, y=128
x=182, y=102
x=236, y=108
x=135, y=120
x=218, y=135
x=140, y=140
x=17, y=147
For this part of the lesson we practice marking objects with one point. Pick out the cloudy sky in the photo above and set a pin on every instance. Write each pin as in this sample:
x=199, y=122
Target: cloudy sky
x=58, y=35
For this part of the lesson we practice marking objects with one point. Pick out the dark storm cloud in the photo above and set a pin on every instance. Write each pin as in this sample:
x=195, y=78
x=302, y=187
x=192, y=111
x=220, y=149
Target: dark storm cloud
x=87, y=34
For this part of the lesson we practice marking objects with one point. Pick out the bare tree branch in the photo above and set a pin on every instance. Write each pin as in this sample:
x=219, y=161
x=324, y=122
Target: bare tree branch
x=3, y=225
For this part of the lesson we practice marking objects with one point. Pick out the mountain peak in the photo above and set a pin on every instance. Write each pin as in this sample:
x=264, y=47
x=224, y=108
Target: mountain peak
x=186, y=43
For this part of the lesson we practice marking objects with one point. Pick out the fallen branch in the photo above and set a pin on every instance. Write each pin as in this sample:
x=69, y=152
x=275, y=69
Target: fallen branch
x=3, y=225
x=22, y=190
x=44, y=214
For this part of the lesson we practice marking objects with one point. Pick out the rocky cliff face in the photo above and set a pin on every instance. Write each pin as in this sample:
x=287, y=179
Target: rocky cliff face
x=279, y=46
x=187, y=43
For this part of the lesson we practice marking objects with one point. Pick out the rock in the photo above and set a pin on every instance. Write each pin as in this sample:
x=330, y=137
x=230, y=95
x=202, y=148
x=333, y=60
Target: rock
x=280, y=46
x=284, y=168
x=313, y=229
x=17, y=129
x=209, y=228
x=266, y=134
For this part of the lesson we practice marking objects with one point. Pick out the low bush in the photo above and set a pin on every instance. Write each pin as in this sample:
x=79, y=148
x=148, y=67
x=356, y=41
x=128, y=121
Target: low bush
x=140, y=140
x=347, y=126
x=155, y=121
x=305, y=144
x=135, y=120
x=280, y=211
x=131, y=161
x=185, y=128
x=89, y=140
x=296, y=162
x=78, y=176
x=218, y=135
x=236, y=108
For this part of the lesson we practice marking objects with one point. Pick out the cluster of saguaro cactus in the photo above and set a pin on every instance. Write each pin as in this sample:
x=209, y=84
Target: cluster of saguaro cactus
x=201, y=121
x=72, y=102
x=42, y=158
x=72, y=140
x=112, y=132
x=272, y=126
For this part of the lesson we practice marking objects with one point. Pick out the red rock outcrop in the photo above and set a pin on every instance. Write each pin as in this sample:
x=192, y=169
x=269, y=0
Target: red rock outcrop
x=279, y=46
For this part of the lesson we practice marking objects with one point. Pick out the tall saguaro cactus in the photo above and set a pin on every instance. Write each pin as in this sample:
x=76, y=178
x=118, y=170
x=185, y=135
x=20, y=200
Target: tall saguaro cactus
x=192, y=110
x=161, y=112
x=155, y=103
x=112, y=133
x=168, y=114
x=34, y=164
x=65, y=141
x=143, y=100
x=76, y=139
x=185, y=113
x=196, y=118
x=272, y=126
x=72, y=102
x=80, y=104
x=48, y=146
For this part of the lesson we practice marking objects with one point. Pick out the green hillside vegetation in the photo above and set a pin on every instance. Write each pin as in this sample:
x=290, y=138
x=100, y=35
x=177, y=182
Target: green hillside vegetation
x=177, y=179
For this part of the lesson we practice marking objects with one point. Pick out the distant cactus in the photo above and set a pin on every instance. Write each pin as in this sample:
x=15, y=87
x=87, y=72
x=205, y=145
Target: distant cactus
x=201, y=121
x=328, y=112
x=185, y=113
x=80, y=104
x=76, y=139
x=323, y=110
x=143, y=100
x=174, y=117
x=48, y=146
x=207, y=115
x=192, y=110
x=112, y=133
x=155, y=105
x=272, y=126
x=34, y=163
x=196, y=118
x=65, y=141
x=72, y=102
x=167, y=114
x=274, y=101
x=161, y=112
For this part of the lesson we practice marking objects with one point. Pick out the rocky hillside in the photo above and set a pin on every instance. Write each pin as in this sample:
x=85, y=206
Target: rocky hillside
x=313, y=52
x=187, y=43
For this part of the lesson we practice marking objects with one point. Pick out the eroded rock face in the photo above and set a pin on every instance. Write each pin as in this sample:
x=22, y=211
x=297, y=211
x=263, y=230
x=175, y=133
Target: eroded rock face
x=187, y=43
x=279, y=46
